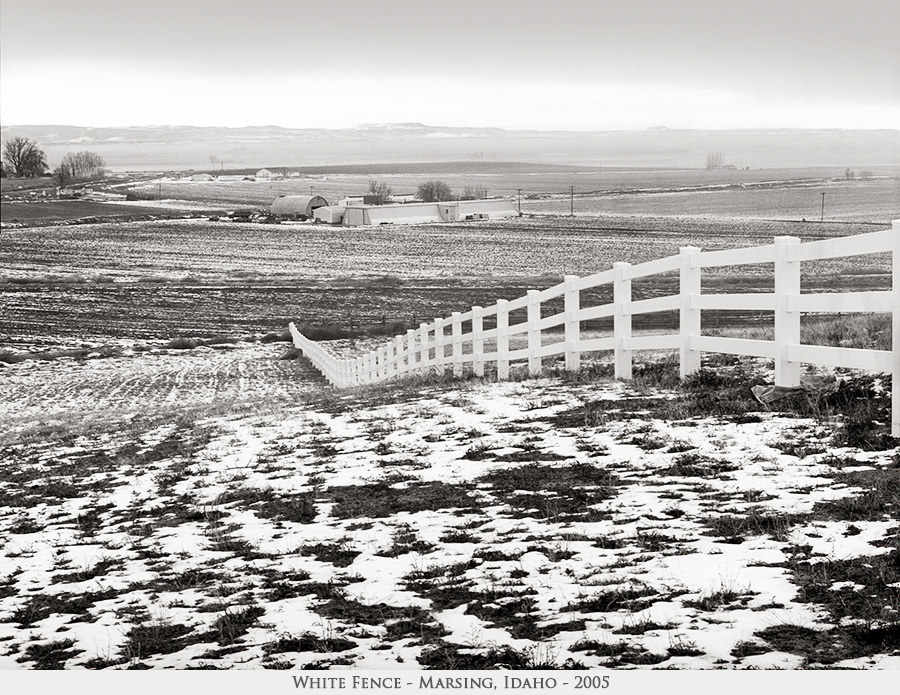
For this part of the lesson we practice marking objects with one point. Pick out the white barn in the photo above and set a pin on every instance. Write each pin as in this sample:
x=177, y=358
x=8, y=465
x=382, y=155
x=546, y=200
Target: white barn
x=417, y=213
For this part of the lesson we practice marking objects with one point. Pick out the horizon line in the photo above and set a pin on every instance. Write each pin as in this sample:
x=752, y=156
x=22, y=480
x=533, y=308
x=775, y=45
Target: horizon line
x=450, y=127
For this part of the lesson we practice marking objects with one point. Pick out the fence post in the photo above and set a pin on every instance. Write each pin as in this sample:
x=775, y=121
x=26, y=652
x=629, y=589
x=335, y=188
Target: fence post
x=439, y=344
x=388, y=359
x=478, y=340
x=689, y=286
x=410, y=350
x=456, y=331
x=367, y=368
x=571, y=305
x=380, y=371
x=895, y=334
x=423, y=344
x=503, y=339
x=398, y=355
x=622, y=319
x=787, y=323
x=534, y=332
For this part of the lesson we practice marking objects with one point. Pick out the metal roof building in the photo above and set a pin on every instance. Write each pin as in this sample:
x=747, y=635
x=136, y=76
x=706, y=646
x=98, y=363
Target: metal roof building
x=296, y=205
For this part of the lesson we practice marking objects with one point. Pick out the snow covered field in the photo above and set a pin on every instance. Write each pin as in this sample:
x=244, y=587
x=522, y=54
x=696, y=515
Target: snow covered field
x=139, y=378
x=549, y=522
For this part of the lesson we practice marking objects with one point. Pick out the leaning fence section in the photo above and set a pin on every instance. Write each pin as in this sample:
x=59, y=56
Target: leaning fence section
x=442, y=344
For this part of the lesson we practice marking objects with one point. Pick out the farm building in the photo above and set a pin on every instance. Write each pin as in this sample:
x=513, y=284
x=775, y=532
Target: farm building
x=263, y=174
x=329, y=214
x=201, y=177
x=417, y=213
x=297, y=206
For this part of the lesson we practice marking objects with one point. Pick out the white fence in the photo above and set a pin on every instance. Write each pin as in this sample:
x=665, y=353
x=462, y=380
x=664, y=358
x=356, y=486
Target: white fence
x=431, y=346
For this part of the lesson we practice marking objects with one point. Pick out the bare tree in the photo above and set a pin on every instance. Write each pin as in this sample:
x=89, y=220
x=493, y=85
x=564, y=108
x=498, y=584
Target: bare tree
x=475, y=192
x=83, y=165
x=379, y=192
x=714, y=160
x=24, y=157
x=432, y=191
x=62, y=176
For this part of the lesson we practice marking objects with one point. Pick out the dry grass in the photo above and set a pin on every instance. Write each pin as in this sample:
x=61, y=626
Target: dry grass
x=870, y=331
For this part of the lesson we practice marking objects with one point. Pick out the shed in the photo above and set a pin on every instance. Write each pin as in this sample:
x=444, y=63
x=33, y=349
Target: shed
x=297, y=206
x=330, y=214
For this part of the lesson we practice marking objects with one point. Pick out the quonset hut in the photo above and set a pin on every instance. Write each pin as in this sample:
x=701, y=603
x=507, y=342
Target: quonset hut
x=297, y=206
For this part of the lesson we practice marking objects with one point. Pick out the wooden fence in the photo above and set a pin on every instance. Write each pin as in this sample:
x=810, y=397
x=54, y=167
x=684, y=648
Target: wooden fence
x=443, y=344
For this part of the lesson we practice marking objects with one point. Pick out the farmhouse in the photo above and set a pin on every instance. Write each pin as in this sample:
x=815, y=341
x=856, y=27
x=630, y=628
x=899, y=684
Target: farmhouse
x=297, y=206
x=263, y=174
x=356, y=214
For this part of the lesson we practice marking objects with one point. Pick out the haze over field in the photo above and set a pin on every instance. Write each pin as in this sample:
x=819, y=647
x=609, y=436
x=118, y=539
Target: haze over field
x=190, y=147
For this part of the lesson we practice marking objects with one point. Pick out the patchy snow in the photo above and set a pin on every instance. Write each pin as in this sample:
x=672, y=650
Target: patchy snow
x=384, y=531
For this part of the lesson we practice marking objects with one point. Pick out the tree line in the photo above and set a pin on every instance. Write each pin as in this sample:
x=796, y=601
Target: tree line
x=23, y=158
x=430, y=192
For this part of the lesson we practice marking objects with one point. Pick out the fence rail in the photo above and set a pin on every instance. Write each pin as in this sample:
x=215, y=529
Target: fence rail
x=442, y=343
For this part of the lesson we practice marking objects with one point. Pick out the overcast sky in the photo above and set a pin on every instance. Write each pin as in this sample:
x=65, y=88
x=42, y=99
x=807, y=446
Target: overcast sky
x=580, y=65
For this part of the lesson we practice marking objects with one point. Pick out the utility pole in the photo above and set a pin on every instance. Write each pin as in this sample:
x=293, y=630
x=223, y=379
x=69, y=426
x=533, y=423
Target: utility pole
x=572, y=201
x=519, y=200
x=822, y=217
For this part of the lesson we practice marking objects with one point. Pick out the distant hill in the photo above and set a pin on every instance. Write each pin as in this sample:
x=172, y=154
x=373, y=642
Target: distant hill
x=191, y=147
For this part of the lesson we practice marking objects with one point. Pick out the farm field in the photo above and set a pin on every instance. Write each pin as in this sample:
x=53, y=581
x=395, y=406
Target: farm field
x=165, y=279
x=873, y=201
x=765, y=194
x=126, y=379
x=793, y=194
x=65, y=210
x=194, y=250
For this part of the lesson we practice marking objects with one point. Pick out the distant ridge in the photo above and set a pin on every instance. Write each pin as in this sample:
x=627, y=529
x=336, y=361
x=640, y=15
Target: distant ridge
x=183, y=146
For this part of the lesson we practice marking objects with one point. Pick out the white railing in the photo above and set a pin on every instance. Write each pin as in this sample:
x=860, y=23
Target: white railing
x=432, y=347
